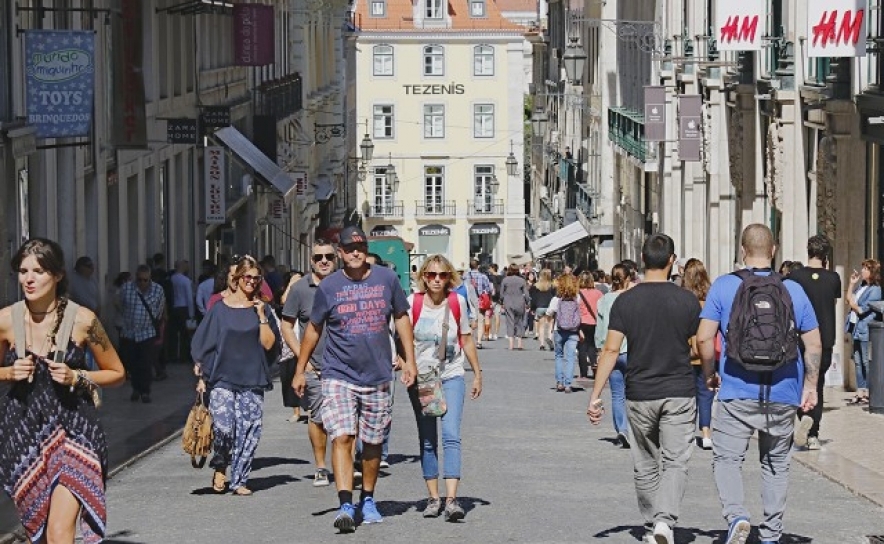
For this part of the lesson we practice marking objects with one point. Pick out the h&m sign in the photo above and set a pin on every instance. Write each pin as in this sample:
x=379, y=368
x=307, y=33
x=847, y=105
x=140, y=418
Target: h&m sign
x=738, y=24
x=836, y=28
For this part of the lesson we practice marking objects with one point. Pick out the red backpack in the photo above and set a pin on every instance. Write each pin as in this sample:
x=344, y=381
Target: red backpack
x=453, y=303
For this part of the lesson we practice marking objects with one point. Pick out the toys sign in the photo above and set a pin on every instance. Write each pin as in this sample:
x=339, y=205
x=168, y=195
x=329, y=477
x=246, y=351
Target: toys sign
x=836, y=28
x=740, y=25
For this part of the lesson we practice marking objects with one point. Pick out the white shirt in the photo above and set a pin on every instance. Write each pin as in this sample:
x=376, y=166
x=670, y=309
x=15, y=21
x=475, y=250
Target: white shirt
x=204, y=293
x=182, y=293
x=427, y=332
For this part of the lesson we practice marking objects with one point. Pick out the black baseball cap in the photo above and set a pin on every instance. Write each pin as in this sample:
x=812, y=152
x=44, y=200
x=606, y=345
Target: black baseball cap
x=352, y=235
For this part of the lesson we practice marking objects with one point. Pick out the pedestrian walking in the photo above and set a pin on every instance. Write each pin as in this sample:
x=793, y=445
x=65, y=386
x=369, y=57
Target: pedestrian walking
x=288, y=359
x=541, y=295
x=232, y=349
x=296, y=316
x=514, y=296
x=762, y=377
x=225, y=285
x=589, y=302
x=443, y=341
x=822, y=287
x=142, y=307
x=695, y=279
x=484, y=292
x=617, y=379
x=181, y=313
x=658, y=319
x=496, y=278
x=354, y=306
x=864, y=287
x=53, y=457
x=82, y=287
x=565, y=311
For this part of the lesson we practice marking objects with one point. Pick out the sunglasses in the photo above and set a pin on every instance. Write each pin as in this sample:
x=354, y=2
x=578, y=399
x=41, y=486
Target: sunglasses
x=320, y=256
x=143, y=280
x=432, y=275
x=252, y=279
x=350, y=248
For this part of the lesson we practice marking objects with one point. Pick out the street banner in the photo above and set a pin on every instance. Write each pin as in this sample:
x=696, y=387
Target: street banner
x=215, y=178
x=277, y=211
x=655, y=114
x=60, y=81
x=740, y=24
x=690, y=122
x=253, y=35
x=300, y=185
x=836, y=28
x=129, y=119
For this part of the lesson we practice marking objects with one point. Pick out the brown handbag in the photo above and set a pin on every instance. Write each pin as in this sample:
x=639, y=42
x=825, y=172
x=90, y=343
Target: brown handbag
x=197, y=436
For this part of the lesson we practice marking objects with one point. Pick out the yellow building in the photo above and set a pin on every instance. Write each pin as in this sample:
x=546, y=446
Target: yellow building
x=441, y=93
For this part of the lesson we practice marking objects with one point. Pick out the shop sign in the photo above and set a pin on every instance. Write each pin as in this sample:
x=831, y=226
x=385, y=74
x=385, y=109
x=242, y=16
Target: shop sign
x=214, y=116
x=434, y=230
x=740, y=24
x=216, y=209
x=253, y=35
x=300, y=184
x=181, y=131
x=384, y=230
x=655, y=113
x=836, y=28
x=690, y=134
x=129, y=119
x=480, y=229
x=276, y=210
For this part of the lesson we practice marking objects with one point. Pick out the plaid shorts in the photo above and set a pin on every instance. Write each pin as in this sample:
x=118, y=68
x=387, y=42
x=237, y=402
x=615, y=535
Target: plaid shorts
x=346, y=406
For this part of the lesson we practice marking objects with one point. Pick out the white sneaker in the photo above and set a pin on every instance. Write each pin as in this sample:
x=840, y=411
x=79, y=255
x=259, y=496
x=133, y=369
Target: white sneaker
x=663, y=533
x=801, y=430
x=706, y=444
x=813, y=443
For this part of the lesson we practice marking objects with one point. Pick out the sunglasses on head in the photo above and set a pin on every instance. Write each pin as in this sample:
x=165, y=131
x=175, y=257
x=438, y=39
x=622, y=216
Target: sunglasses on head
x=320, y=256
x=252, y=279
x=432, y=275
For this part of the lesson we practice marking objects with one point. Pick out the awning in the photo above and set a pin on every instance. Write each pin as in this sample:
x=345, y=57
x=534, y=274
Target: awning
x=434, y=230
x=255, y=159
x=478, y=229
x=559, y=239
x=384, y=230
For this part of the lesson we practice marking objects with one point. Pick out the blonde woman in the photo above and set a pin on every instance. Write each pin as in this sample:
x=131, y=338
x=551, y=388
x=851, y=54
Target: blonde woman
x=541, y=295
x=433, y=309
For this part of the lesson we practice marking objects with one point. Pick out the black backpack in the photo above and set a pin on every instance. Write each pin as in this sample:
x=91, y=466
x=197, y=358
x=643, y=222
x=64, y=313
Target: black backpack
x=761, y=333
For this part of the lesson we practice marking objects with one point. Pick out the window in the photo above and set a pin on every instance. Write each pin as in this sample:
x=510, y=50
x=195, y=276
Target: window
x=477, y=8
x=434, y=60
x=383, y=193
x=433, y=183
x=383, y=60
x=383, y=121
x=378, y=8
x=484, y=201
x=434, y=121
x=483, y=121
x=434, y=9
x=483, y=60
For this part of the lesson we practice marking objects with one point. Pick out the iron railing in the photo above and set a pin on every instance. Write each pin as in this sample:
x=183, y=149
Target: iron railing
x=484, y=207
x=435, y=207
x=280, y=98
x=387, y=209
x=626, y=129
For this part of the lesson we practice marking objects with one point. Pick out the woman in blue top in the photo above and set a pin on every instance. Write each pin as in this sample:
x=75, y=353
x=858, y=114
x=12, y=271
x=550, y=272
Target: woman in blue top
x=231, y=350
x=864, y=287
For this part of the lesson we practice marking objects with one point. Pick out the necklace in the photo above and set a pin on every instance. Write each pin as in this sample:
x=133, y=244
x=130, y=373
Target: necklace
x=44, y=348
x=47, y=312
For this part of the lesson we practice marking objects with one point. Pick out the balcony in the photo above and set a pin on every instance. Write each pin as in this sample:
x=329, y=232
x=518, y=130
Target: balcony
x=485, y=207
x=626, y=129
x=435, y=208
x=279, y=98
x=393, y=209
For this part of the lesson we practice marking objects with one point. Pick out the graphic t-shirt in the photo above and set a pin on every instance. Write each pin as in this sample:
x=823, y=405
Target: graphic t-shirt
x=356, y=317
x=785, y=384
x=658, y=319
x=428, y=332
x=822, y=287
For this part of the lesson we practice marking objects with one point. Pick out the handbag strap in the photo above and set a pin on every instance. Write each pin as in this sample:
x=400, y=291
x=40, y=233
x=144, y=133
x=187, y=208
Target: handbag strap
x=18, y=328
x=588, y=306
x=65, y=330
x=443, y=340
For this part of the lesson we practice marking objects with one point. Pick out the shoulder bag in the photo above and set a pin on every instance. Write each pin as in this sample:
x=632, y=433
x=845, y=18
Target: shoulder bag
x=588, y=305
x=196, y=440
x=429, y=384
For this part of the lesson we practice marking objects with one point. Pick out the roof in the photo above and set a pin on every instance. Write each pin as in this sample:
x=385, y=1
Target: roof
x=517, y=5
x=400, y=18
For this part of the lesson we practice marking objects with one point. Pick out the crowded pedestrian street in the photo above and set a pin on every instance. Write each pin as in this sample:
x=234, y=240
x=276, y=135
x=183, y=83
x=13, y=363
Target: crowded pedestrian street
x=534, y=470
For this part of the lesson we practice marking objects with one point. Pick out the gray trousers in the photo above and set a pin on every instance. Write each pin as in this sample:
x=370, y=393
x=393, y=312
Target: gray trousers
x=662, y=443
x=732, y=427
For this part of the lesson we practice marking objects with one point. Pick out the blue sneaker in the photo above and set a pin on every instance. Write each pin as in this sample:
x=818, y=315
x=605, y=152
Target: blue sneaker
x=369, y=511
x=738, y=532
x=770, y=542
x=345, y=521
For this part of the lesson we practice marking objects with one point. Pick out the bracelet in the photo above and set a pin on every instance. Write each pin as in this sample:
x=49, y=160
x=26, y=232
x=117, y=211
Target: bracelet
x=263, y=322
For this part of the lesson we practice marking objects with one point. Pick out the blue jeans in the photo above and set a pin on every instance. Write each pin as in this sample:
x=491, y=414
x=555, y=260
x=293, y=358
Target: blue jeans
x=618, y=395
x=428, y=431
x=861, y=361
x=704, y=398
x=566, y=355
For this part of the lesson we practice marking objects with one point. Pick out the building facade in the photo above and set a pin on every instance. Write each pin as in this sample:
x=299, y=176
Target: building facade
x=441, y=94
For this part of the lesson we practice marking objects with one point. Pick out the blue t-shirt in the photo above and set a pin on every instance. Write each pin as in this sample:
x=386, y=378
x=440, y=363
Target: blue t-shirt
x=356, y=317
x=787, y=382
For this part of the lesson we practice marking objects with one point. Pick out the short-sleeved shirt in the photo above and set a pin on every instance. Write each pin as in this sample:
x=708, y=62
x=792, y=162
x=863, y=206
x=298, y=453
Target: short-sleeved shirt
x=604, y=312
x=658, y=319
x=823, y=288
x=356, y=316
x=592, y=297
x=298, y=306
x=783, y=385
x=428, y=332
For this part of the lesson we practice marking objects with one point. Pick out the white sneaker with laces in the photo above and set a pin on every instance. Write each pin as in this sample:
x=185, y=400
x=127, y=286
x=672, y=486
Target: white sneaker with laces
x=801, y=430
x=707, y=443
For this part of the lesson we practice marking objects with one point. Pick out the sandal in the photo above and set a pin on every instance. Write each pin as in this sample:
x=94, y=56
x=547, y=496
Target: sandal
x=243, y=492
x=219, y=485
x=856, y=400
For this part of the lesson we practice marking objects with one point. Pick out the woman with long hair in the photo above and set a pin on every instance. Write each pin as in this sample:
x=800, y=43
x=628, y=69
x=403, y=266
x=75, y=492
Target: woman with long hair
x=53, y=456
x=565, y=308
x=443, y=340
x=232, y=350
x=530, y=281
x=513, y=295
x=541, y=295
x=589, y=303
x=864, y=287
x=620, y=282
x=696, y=280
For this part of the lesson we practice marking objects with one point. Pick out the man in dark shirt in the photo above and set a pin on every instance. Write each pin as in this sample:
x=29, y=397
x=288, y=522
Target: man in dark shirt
x=823, y=288
x=657, y=318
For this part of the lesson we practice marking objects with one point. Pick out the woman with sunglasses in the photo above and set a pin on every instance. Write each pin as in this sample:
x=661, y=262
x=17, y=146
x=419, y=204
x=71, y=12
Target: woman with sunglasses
x=437, y=323
x=231, y=350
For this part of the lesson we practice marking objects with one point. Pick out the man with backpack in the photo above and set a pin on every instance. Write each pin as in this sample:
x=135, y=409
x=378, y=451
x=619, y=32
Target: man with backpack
x=762, y=379
x=658, y=319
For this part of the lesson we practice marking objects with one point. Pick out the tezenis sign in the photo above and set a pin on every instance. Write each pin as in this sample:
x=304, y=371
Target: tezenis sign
x=454, y=88
x=836, y=28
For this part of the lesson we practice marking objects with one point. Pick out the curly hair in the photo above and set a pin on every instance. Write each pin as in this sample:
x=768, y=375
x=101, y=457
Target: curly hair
x=874, y=268
x=566, y=286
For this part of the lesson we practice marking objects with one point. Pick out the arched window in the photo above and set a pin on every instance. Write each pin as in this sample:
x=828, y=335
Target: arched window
x=383, y=60
x=434, y=60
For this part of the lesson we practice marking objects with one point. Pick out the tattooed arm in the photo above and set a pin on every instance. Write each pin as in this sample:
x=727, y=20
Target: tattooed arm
x=813, y=350
x=110, y=368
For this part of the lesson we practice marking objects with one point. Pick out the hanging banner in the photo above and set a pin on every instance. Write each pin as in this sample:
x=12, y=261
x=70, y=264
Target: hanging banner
x=253, y=35
x=690, y=135
x=740, y=24
x=277, y=212
x=836, y=28
x=60, y=80
x=215, y=178
x=129, y=118
x=300, y=184
x=655, y=114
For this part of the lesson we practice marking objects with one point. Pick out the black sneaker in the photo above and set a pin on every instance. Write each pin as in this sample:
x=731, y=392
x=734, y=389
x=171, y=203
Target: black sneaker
x=145, y=399
x=135, y=396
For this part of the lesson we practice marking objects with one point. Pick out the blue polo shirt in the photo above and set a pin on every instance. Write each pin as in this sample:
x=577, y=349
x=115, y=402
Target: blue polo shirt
x=786, y=384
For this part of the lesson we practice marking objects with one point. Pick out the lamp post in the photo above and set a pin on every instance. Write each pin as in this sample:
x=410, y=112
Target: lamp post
x=538, y=122
x=574, y=60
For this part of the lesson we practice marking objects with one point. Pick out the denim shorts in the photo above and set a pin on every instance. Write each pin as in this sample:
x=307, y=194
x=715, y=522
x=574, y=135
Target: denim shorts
x=540, y=312
x=354, y=410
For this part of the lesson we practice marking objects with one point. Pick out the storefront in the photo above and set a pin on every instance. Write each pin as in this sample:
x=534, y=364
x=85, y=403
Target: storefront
x=483, y=242
x=383, y=230
x=433, y=239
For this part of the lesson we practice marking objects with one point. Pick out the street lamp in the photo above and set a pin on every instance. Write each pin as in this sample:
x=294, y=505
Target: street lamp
x=392, y=177
x=367, y=146
x=493, y=184
x=512, y=165
x=538, y=122
x=574, y=59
